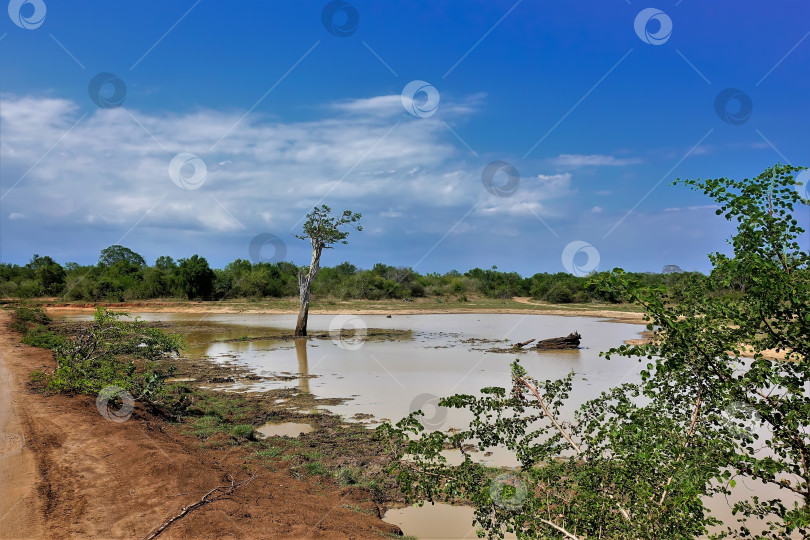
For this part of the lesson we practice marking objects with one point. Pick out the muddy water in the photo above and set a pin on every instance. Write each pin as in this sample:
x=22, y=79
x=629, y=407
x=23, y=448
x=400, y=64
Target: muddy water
x=388, y=379
x=284, y=429
x=436, y=522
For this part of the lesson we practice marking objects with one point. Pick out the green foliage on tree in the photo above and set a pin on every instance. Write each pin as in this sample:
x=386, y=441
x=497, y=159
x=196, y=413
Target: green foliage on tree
x=710, y=411
x=119, y=254
x=48, y=274
x=195, y=277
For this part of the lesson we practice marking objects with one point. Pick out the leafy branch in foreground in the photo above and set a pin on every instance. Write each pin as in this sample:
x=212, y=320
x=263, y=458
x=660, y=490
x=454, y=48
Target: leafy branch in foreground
x=577, y=479
x=641, y=460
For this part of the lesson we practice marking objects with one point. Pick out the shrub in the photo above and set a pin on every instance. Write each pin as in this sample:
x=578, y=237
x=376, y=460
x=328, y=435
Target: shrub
x=347, y=476
x=244, y=431
x=315, y=468
x=104, y=355
x=41, y=336
x=559, y=293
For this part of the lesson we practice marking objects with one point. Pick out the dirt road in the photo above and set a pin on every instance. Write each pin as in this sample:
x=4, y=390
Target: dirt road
x=68, y=472
x=19, y=501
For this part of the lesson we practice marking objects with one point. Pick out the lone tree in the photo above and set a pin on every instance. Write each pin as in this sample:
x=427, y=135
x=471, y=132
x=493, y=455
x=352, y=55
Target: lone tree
x=322, y=230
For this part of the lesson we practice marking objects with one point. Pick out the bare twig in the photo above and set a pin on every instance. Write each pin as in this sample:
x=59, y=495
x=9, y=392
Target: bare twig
x=224, y=491
x=566, y=533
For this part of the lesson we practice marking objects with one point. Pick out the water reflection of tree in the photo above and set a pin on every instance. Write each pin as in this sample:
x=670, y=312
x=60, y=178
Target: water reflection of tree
x=303, y=366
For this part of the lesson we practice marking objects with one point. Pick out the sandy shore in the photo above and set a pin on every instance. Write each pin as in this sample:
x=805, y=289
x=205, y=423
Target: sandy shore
x=515, y=306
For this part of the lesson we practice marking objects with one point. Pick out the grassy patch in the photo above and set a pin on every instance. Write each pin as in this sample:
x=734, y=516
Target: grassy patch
x=392, y=535
x=271, y=452
x=206, y=426
x=244, y=431
x=314, y=468
x=347, y=476
x=359, y=509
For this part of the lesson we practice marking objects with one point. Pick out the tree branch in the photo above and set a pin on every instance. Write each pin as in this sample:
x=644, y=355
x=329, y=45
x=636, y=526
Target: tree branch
x=566, y=533
x=226, y=490
x=533, y=390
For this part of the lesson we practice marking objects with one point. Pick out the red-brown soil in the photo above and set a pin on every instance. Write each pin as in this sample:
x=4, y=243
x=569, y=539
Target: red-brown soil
x=66, y=472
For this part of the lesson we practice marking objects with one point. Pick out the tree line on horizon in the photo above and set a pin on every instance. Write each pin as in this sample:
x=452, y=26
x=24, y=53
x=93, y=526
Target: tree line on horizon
x=123, y=275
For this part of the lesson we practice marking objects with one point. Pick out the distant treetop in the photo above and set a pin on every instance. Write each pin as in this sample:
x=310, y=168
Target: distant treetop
x=115, y=254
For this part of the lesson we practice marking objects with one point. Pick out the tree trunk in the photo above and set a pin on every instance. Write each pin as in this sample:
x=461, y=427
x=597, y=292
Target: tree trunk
x=571, y=341
x=304, y=285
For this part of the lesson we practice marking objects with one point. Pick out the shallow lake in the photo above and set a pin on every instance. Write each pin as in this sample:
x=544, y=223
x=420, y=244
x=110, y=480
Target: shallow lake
x=389, y=378
x=443, y=354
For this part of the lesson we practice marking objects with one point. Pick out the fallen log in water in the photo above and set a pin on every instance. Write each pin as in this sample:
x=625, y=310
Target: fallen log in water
x=521, y=344
x=571, y=341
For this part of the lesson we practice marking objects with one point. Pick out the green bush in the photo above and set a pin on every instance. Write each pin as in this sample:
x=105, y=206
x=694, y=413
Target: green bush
x=104, y=354
x=32, y=315
x=41, y=336
x=244, y=431
x=347, y=476
x=559, y=293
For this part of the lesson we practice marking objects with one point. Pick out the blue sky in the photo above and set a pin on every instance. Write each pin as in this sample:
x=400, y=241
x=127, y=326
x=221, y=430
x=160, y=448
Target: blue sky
x=278, y=114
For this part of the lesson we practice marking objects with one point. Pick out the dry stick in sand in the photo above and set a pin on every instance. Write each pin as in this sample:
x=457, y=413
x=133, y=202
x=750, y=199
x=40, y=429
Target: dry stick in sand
x=205, y=500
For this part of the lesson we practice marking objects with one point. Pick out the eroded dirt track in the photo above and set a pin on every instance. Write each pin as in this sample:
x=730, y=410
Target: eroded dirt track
x=66, y=471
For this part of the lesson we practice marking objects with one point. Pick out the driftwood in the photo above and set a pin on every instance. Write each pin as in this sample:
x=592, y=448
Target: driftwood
x=521, y=344
x=571, y=341
x=221, y=493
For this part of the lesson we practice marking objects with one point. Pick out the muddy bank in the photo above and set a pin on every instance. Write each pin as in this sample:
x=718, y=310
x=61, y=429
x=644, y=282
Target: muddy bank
x=75, y=473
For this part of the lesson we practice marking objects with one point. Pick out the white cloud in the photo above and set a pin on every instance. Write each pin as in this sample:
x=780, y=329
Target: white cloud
x=592, y=160
x=378, y=105
x=530, y=198
x=109, y=169
x=692, y=208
